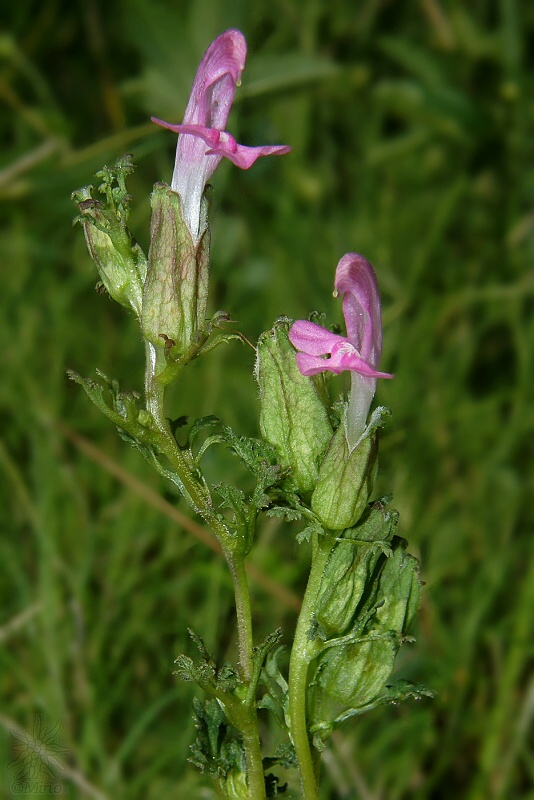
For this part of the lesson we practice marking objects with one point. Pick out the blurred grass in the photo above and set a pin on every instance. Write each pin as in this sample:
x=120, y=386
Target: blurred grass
x=412, y=127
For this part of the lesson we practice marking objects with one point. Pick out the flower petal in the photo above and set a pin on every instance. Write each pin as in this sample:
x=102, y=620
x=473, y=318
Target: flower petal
x=313, y=365
x=356, y=280
x=340, y=360
x=313, y=339
x=346, y=357
x=244, y=156
x=210, y=136
x=222, y=143
x=218, y=73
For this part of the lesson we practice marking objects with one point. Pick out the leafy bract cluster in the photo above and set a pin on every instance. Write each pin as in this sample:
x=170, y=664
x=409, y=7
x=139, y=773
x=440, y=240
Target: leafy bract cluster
x=218, y=748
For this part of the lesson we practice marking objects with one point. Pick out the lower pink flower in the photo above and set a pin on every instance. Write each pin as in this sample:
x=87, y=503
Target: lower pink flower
x=359, y=351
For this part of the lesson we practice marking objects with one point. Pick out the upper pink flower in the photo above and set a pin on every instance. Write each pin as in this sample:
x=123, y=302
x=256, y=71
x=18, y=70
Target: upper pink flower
x=202, y=140
x=359, y=351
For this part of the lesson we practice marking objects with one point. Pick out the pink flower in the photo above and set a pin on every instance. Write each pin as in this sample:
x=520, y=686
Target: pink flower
x=359, y=351
x=202, y=140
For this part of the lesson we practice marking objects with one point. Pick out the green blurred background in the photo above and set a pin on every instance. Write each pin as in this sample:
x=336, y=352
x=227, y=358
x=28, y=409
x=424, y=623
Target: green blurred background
x=411, y=125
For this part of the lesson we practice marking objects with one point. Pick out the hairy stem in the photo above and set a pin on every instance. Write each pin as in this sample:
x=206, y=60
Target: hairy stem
x=243, y=612
x=248, y=718
x=251, y=742
x=194, y=492
x=305, y=649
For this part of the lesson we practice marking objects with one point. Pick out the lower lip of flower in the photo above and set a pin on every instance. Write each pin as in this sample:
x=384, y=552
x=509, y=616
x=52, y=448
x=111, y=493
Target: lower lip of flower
x=228, y=140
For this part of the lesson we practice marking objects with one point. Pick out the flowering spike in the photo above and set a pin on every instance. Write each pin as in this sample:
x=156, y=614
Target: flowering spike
x=359, y=351
x=202, y=140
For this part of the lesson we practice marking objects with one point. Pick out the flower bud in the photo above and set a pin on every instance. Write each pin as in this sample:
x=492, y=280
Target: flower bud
x=345, y=480
x=175, y=293
x=120, y=262
x=292, y=417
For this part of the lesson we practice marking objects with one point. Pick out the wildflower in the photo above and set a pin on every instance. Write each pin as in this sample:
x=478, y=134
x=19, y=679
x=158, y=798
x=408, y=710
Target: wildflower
x=359, y=351
x=202, y=140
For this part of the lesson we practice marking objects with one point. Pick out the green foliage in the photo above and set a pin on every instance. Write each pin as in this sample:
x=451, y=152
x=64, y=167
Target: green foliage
x=260, y=459
x=219, y=683
x=216, y=750
x=411, y=127
x=276, y=698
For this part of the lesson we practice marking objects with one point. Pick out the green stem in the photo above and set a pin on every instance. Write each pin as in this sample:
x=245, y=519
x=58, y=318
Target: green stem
x=248, y=718
x=244, y=714
x=193, y=490
x=251, y=743
x=304, y=650
x=243, y=612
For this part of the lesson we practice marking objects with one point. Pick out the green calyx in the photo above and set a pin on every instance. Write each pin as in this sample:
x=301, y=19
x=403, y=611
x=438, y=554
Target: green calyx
x=292, y=417
x=120, y=262
x=345, y=480
x=175, y=293
x=354, y=560
x=355, y=668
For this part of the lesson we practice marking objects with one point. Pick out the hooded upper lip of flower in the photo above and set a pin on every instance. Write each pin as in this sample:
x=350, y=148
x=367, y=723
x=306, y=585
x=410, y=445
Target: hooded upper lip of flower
x=202, y=140
x=361, y=349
